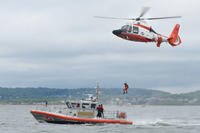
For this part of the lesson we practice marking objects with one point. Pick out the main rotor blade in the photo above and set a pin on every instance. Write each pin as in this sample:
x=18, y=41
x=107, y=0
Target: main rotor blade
x=160, y=18
x=113, y=18
x=144, y=11
x=138, y=19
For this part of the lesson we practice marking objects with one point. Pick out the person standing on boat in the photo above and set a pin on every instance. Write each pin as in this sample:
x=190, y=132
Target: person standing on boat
x=102, y=110
x=46, y=103
x=125, y=89
x=99, y=111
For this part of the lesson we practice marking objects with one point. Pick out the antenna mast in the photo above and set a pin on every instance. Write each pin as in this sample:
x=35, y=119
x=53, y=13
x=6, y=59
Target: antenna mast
x=97, y=91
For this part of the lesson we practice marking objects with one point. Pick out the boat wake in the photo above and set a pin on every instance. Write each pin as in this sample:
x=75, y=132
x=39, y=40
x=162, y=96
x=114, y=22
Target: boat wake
x=166, y=122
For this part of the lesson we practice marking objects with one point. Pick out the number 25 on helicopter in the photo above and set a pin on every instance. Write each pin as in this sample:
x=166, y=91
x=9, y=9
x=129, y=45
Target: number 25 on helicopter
x=139, y=31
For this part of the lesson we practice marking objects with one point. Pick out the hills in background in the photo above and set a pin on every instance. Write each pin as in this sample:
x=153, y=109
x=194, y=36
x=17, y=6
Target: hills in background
x=136, y=96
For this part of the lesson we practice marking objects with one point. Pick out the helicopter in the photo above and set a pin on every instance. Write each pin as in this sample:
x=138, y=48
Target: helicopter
x=139, y=31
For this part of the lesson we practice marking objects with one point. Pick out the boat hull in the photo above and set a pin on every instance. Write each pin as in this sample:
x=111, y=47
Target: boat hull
x=43, y=116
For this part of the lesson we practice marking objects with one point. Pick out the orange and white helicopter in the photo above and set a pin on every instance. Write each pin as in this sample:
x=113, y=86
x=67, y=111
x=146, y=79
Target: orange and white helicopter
x=139, y=31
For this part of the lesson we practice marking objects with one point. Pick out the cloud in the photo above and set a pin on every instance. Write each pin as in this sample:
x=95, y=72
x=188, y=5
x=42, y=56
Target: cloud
x=59, y=44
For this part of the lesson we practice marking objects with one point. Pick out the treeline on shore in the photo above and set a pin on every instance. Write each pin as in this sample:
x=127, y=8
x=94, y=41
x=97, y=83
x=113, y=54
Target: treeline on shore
x=135, y=96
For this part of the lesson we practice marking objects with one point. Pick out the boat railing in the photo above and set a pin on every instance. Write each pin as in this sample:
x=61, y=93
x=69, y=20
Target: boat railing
x=110, y=114
x=64, y=109
x=51, y=108
x=114, y=115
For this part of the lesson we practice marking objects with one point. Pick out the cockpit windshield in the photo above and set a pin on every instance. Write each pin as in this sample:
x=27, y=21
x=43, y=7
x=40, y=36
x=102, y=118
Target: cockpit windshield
x=130, y=29
x=126, y=28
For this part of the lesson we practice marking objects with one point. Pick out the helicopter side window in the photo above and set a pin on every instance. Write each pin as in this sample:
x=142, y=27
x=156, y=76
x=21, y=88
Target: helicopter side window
x=135, y=30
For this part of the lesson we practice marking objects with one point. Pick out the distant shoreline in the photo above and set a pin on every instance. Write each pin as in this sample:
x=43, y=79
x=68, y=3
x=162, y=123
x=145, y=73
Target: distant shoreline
x=38, y=104
x=109, y=96
x=104, y=104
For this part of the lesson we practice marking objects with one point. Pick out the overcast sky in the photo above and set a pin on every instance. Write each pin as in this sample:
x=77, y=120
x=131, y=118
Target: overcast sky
x=58, y=44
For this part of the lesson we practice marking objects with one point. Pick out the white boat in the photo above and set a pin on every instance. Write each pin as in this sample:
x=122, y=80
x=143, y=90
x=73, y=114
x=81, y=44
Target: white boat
x=79, y=112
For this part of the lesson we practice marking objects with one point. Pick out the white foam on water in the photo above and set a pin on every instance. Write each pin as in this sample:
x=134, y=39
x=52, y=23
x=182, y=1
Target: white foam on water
x=147, y=121
x=166, y=122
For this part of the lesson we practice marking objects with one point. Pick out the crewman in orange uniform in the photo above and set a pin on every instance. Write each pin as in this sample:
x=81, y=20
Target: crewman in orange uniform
x=125, y=88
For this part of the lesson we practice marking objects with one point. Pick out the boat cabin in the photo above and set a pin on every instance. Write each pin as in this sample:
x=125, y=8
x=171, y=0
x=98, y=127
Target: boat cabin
x=82, y=104
x=82, y=108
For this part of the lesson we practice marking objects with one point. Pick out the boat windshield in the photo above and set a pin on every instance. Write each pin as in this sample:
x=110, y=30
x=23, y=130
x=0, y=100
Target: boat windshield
x=81, y=105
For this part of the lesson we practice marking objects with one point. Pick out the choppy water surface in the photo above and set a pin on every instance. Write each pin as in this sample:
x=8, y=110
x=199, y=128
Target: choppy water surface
x=148, y=119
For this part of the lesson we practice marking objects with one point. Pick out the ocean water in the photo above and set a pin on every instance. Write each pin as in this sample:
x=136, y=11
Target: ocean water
x=147, y=119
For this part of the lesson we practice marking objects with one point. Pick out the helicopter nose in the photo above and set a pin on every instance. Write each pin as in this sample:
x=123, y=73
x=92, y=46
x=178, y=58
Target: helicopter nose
x=116, y=32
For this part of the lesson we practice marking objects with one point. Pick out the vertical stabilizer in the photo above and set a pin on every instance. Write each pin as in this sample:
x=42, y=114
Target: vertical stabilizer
x=174, y=38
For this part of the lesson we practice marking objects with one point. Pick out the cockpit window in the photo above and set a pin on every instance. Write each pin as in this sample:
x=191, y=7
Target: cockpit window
x=125, y=27
x=130, y=29
x=135, y=30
